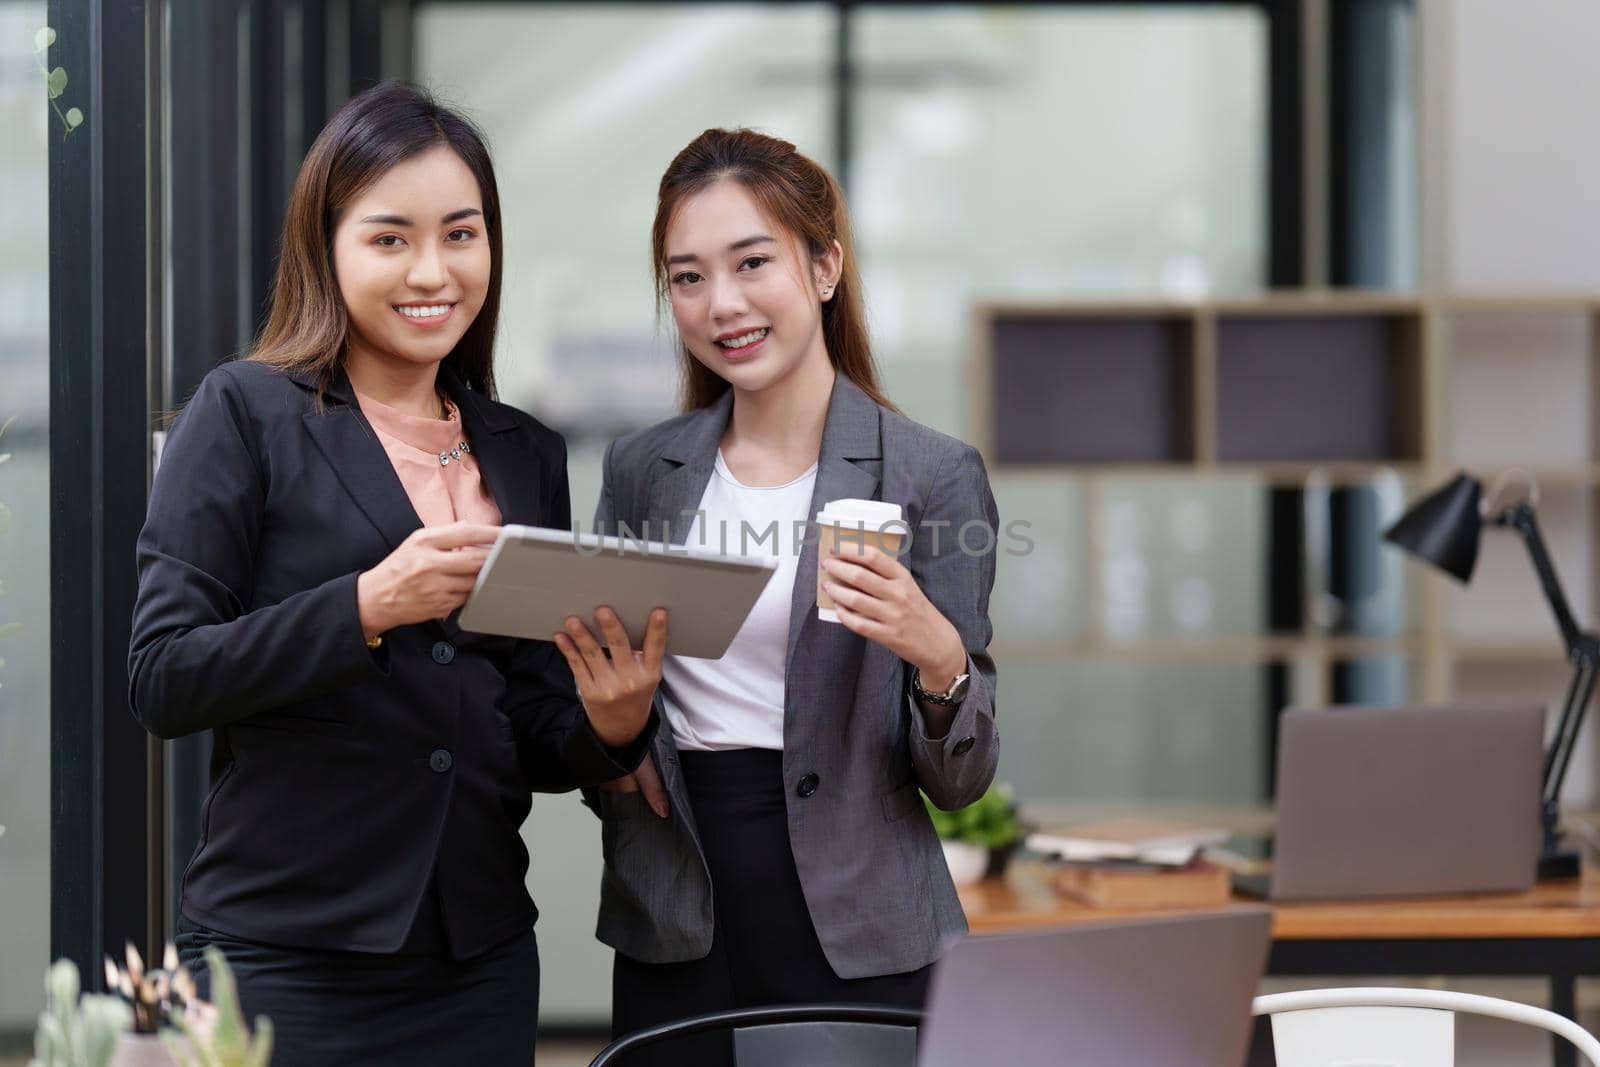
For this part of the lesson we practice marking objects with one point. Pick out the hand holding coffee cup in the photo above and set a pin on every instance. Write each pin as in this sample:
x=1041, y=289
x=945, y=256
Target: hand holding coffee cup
x=858, y=522
x=863, y=586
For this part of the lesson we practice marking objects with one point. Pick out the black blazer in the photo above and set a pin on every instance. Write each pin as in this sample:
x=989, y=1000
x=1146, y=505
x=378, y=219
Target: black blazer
x=342, y=777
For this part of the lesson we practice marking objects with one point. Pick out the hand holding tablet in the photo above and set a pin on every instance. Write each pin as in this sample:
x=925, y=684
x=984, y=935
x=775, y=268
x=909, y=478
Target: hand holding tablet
x=534, y=579
x=616, y=689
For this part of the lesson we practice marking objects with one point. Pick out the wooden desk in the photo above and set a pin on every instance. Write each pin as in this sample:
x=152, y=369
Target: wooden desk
x=1024, y=900
x=1552, y=931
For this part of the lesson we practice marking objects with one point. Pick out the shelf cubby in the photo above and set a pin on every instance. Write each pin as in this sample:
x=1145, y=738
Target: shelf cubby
x=1099, y=388
x=1299, y=387
x=1225, y=469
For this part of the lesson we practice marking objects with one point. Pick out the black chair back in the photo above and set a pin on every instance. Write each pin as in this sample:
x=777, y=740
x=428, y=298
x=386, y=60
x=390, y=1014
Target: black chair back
x=839, y=1035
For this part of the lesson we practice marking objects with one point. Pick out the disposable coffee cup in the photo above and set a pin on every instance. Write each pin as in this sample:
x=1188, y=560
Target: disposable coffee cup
x=854, y=522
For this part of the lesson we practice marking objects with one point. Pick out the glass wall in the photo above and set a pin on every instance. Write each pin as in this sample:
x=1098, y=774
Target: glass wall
x=995, y=151
x=1015, y=152
x=580, y=139
x=26, y=125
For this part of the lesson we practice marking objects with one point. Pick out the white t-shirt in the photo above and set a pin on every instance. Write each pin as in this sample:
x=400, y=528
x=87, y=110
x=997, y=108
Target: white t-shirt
x=737, y=701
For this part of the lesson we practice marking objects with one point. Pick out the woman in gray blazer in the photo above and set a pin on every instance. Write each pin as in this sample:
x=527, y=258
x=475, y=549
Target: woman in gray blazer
x=774, y=848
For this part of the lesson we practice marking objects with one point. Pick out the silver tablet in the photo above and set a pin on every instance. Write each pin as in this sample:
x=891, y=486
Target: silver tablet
x=535, y=578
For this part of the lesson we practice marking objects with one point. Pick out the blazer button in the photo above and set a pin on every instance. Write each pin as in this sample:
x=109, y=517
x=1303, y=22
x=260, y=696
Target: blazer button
x=441, y=760
x=964, y=746
x=807, y=786
x=444, y=652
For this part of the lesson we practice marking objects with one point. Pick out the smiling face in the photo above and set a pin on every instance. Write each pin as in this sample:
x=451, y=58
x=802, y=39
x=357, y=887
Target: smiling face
x=411, y=254
x=746, y=298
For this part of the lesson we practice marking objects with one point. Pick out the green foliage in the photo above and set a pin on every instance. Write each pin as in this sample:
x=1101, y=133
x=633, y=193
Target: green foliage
x=991, y=820
x=74, y=1032
x=55, y=82
x=217, y=1035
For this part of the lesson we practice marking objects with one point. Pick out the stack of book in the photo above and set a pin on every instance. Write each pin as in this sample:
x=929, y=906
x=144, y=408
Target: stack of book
x=1136, y=864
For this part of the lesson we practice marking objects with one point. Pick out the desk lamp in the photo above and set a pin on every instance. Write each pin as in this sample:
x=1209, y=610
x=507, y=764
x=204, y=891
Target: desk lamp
x=1443, y=529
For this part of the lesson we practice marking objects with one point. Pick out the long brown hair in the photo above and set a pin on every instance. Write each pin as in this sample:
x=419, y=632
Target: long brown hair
x=798, y=195
x=307, y=325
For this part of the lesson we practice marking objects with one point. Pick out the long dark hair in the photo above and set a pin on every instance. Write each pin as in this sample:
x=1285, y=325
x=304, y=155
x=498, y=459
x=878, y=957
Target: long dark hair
x=803, y=198
x=386, y=125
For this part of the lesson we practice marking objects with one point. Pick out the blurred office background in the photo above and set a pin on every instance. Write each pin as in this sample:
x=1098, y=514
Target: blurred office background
x=1041, y=155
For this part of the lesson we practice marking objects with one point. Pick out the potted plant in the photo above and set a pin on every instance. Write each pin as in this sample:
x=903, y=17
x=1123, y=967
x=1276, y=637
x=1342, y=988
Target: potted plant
x=979, y=838
x=173, y=1027
x=76, y=1031
x=156, y=1020
x=215, y=1033
x=157, y=998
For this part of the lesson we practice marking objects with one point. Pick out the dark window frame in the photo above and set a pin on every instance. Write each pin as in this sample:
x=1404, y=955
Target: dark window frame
x=105, y=770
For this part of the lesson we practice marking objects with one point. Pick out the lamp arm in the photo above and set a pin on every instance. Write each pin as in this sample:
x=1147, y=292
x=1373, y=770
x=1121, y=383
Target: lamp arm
x=1562, y=745
x=1521, y=519
x=1559, y=754
x=1583, y=650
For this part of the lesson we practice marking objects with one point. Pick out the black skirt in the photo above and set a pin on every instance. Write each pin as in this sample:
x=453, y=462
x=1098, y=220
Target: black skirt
x=418, y=1006
x=764, y=948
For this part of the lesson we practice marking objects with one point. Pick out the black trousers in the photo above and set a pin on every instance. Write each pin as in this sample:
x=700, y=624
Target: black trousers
x=418, y=1006
x=764, y=950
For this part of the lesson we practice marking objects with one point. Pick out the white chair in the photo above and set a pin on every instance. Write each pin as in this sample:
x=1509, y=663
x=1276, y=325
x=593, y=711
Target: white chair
x=1391, y=1027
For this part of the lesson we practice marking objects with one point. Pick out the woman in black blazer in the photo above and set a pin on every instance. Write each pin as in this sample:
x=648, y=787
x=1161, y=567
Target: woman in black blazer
x=359, y=860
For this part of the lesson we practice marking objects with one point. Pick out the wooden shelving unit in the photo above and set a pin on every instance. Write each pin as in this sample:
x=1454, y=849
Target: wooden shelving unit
x=1241, y=452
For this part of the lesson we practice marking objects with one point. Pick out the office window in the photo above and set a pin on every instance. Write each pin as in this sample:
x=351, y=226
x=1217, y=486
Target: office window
x=1034, y=151
x=25, y=129
x=580, y=139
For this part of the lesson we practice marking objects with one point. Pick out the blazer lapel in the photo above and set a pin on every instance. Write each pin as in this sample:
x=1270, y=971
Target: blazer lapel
x=848, y=467
x=684, y=468
x=356, y=455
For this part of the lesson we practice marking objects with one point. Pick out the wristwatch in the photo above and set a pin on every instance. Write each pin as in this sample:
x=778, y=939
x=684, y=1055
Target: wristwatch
x=950, y=698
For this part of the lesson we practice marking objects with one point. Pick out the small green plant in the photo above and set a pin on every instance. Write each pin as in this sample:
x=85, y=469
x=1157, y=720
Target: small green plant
x=216, y=1032
x=55, y=82
x=198, y=1034
x=991, y=820
x=74, y=1031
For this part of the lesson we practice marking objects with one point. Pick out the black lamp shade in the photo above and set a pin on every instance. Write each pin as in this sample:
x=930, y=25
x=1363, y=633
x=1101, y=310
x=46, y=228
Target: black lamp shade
x=1443, y=527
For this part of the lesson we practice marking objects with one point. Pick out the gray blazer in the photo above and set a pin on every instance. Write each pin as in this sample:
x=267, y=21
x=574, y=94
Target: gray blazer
x=870, y=864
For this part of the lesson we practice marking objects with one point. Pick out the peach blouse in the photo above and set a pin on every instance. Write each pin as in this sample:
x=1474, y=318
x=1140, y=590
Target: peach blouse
x=435, y=464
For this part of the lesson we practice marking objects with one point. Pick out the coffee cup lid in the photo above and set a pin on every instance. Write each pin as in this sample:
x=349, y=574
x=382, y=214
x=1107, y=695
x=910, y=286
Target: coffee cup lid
x=873, y=514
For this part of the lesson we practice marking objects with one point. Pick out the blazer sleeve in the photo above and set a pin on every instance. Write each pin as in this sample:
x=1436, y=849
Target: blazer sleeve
x=605, y=512
x=556, y=746
x=957, y=769
x=197, y=658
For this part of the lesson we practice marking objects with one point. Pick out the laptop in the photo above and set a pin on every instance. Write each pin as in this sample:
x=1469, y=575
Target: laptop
x=1407, y=801
x=1173, y=991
